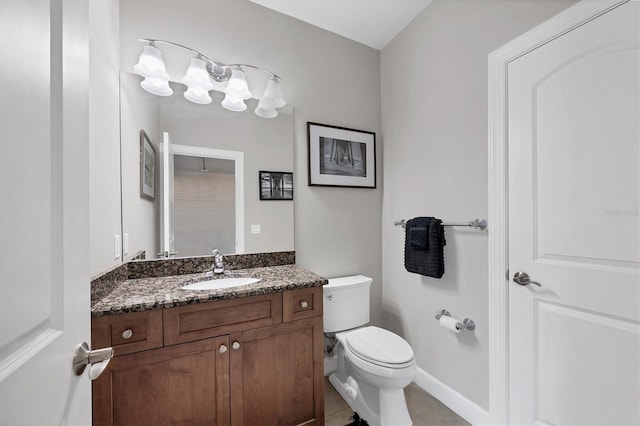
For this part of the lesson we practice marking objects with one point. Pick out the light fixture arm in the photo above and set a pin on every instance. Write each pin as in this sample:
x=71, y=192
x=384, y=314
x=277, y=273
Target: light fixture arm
x=272, y=74
x=218, y=71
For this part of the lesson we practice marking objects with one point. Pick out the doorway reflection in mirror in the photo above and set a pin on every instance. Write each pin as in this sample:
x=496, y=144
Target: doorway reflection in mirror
x=204, y=205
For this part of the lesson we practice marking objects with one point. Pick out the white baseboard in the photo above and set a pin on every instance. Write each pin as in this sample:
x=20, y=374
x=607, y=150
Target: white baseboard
x=459, y=404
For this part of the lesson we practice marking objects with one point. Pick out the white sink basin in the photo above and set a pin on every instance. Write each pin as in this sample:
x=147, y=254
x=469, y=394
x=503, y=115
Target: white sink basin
x=221, y=283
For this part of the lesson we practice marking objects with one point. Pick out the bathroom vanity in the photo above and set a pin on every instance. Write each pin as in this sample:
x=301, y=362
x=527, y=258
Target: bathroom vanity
x=248, y=355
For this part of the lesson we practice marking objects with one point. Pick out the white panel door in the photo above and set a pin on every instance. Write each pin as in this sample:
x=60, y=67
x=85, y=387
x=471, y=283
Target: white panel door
x=44, y=216
x=168, y=226
x=574, y=226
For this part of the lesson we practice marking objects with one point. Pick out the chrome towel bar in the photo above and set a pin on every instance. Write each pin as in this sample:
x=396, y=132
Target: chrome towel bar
x=478, y=223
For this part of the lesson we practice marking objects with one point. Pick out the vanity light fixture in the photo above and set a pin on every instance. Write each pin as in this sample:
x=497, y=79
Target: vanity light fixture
x=199, y=78
x=198, y=82
x=151, y=67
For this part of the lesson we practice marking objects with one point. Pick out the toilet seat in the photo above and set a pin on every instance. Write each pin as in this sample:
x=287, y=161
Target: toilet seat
x=379, y=347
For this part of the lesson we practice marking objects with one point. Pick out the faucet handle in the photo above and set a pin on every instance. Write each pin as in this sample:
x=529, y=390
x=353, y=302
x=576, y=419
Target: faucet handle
x=218, y=262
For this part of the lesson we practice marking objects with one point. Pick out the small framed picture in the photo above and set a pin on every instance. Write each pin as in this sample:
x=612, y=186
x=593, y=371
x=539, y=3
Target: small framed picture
x=147, y=167
x=276, y=185
x=341, y=157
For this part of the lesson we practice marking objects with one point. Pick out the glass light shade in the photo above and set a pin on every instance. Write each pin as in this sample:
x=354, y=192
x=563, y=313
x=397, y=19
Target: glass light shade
x=198, y=96
x=237, y=86
x=273, y=94
x=233, y=103
x=197, y=76
x=266, y=111
x=151, y=64
x=157, y=86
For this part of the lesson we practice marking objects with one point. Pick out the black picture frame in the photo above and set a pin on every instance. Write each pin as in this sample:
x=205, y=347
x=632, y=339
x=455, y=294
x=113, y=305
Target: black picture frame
x=340, y=156
x=275, y=186
x=148, y=163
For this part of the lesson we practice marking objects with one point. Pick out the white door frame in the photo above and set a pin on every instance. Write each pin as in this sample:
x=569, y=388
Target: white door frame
x=499, y=60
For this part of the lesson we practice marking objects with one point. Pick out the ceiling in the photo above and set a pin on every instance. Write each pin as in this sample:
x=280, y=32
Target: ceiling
x=371, y=22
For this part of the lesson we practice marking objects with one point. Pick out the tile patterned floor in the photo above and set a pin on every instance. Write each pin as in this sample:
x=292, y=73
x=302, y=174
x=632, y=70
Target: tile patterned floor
x=424, y=409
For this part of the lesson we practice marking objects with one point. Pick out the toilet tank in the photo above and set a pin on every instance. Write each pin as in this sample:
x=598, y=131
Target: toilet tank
x=346, y=303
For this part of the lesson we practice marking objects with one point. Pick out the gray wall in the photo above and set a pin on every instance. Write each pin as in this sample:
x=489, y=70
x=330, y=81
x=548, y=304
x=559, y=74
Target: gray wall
x=104, y=133
x=434, y=115
x=140, y=216
x=327, y=78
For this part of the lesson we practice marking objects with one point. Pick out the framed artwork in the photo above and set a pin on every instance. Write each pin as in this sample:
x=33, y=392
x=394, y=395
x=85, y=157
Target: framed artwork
x=147, y=167
x=275, y=185
x=339, y=156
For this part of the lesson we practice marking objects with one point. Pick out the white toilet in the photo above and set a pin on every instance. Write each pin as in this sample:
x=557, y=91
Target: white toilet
x=371, y=366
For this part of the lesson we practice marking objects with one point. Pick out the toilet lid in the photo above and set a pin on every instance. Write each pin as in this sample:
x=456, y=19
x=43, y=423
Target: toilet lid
x=379, y=345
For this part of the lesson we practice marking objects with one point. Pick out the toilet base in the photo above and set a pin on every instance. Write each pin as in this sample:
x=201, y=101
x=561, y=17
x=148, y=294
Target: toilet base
x=330, y=364
x=379, y=407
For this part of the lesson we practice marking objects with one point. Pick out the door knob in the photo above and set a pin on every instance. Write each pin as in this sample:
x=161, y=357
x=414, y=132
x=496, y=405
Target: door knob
x=98, y=360
x=522, y=278
x=235, y=346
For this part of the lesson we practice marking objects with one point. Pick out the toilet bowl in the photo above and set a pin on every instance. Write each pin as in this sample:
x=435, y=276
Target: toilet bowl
x=374, y=365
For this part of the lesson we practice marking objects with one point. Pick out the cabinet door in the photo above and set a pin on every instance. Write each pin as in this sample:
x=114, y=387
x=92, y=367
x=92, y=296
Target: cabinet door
x=182, y=384
x=276, y=375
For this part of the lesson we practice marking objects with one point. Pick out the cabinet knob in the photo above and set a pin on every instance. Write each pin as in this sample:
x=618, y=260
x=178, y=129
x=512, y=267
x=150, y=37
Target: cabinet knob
x=127, y=333
x=223, y=348
x=235, y=346
x=304, y=304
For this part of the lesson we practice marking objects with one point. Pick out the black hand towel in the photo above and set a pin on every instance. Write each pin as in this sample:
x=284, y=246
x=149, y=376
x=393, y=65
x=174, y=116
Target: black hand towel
x=427, y=260
x=419, y=237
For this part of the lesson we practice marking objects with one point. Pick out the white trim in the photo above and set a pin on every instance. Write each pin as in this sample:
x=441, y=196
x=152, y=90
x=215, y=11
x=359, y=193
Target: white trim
x=458, y=403
x=498, y=186
x=497, y=243
x=239, y=171
x=167, y=190
x=27, y=350
x=238, y=158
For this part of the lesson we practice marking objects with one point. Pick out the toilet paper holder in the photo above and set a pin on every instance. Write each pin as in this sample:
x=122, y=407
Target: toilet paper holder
x=466, y=324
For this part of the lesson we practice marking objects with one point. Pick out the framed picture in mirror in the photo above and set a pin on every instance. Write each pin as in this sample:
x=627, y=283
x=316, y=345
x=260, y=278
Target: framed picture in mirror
x=339, y=156
x=147, y=167
x=276, y=185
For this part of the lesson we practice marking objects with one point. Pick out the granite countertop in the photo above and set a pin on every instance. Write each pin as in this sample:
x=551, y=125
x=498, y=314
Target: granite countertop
x=145, y=294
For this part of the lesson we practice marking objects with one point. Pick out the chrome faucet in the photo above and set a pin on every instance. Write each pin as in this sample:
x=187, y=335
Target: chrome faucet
x=218, y=262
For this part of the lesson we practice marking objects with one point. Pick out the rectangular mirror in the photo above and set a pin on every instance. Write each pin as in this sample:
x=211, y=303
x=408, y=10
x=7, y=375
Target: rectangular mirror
x=200, y=209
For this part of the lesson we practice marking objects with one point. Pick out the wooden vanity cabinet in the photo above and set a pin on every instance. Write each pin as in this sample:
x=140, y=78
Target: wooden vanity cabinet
x=184, y=384
x=277, y=375
x=231, y=362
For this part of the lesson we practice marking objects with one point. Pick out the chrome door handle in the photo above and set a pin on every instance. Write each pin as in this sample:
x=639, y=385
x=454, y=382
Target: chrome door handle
x=522, y=278
x=98, y=360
